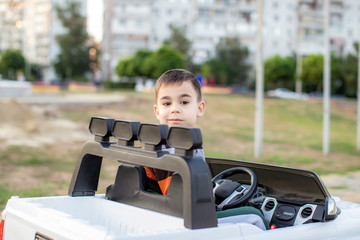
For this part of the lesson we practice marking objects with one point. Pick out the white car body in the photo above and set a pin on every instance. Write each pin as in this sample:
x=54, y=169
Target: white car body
x=294, y=202
x=94, y=217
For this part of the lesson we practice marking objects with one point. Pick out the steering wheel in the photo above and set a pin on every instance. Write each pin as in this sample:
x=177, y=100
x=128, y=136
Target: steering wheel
x=229, y=193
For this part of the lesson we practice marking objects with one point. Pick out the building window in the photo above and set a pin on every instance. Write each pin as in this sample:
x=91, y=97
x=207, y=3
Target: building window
x=155, y=11
x=289, y=32
x=219, y=13
x=275, y=4
x=204, y=12
x=139, y=23
x=123, y=22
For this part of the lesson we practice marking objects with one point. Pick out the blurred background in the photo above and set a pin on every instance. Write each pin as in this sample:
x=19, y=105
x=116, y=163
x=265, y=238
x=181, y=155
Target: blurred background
x=62, y=62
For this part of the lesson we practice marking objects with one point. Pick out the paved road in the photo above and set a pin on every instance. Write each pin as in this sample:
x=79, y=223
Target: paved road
x=78, y=99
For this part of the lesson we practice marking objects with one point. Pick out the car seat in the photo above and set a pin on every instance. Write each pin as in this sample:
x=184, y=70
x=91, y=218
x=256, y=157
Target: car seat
x=243, y=214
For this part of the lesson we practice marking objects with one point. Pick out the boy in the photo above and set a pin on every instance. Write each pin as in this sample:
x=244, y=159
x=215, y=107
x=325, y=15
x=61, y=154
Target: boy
x=178, y=102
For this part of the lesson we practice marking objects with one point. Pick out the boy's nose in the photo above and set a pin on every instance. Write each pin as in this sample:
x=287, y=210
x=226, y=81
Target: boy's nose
x=175, y=108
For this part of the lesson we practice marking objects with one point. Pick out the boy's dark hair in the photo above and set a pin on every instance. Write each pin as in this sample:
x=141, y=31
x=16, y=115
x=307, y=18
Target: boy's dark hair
x=177, y=77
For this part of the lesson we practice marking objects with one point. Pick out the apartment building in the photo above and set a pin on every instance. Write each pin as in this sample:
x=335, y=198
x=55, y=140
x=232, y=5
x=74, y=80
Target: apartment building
x=11, y=24
x=290, y=26
x=32, y=26
x=133, y=24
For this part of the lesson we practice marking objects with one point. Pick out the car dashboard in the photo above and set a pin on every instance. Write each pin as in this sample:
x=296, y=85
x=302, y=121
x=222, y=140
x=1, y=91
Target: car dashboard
x=285, y=196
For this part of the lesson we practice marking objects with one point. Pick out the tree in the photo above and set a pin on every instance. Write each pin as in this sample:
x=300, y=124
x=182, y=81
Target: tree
x=125, y=68
x=165, y=58
x=215, y=69
x=178, y=41
x=146, y=63
x=279, y=72
x=73, y=60
x=139, y=62
x=35, y=72
x=134, y=66
x=348, y=70
x=11, y=62
x=312, y=71
x=229, y=65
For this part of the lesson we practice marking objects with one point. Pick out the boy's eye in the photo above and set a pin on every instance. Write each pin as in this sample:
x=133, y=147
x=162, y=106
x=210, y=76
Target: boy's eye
x=184, y=102
x=166, y=103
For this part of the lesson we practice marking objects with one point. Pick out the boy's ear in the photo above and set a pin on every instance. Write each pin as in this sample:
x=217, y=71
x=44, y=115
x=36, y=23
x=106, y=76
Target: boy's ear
x=156, y=111
x=201, y=109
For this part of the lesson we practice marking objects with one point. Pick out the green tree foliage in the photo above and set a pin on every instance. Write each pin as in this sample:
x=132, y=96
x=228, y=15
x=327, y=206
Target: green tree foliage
x=73, y=60
x=229, y=65
x=178, y=41
x=150, y=64
x=124, y=68
x=313, y=69
x=139, y=62
x=34, y=72
x=279, y=72
x=348, y=70
x=165, y=58
x=134, y=66
x=215, y=69
x=11, y=62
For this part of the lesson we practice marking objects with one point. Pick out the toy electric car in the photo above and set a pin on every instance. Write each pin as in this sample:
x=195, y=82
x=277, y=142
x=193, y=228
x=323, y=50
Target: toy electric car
x=211, y=199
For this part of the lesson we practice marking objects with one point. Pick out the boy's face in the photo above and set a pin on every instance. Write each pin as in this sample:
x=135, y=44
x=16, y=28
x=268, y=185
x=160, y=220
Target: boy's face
x=177, y=105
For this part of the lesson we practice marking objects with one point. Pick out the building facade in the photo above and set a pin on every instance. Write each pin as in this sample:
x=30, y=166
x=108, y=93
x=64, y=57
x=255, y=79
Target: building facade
x=31, y=26
x=11, y=24
x=290, y=27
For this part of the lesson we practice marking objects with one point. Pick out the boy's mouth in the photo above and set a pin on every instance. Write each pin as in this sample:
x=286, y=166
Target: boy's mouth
x=175, y=121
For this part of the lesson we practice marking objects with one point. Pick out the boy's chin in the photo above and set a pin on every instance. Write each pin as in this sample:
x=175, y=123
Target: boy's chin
x=179, y=124
x=176, y=123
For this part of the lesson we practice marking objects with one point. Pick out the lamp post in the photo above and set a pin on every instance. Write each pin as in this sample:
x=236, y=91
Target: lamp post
x=358, y=100
x=259, y=83
x=326, y=87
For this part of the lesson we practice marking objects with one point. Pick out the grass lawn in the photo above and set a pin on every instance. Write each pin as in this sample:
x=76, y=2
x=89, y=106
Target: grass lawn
x=292, y=137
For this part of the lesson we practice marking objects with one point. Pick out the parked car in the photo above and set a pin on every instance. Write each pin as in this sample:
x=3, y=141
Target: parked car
x=287, y=94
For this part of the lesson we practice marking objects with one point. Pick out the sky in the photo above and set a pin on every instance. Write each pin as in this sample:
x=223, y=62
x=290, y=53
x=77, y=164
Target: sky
x=95, y=21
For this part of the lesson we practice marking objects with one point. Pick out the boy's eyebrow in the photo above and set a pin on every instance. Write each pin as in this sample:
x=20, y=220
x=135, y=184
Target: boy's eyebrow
x=164, y=98
x=185, y=95
x=181, y=96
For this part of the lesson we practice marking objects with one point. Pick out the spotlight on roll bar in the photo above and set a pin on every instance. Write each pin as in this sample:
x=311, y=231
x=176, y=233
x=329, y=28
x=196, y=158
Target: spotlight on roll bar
x=153, y=135
x=184, y=140
x=101, y=127
x=126, y=132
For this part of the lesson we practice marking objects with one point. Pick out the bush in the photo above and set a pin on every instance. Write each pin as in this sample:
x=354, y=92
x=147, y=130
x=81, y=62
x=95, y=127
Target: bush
x=111, y=85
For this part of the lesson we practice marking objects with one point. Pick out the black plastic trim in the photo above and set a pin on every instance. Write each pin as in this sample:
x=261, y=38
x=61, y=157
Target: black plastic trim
x=198, y=209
